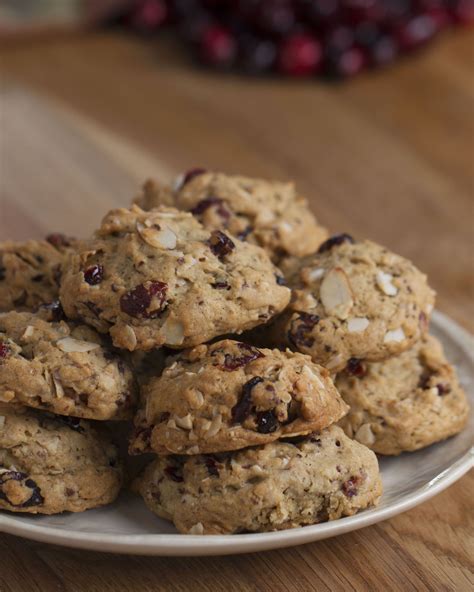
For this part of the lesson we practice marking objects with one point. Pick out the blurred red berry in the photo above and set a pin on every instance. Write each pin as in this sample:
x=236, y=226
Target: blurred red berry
x=148, y=15
x=218, y=47
x=300, y=55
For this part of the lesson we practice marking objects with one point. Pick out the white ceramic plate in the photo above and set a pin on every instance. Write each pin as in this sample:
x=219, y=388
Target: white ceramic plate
x=410, y=479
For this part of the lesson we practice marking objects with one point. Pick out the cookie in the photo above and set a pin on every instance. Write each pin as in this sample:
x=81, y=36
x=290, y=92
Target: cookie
x=405, y=403
x=51, y=464
x=272, y=487
x=267, y=213
x=30, y=272
x=63, y=368
x=159, y=278
x=230, y=395
x=353, y=300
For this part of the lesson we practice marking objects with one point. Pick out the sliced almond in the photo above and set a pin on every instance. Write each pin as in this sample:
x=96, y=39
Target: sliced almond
x=336, y=294
x=71, y=345
x=334, y=362
x=173, y=332
x=193, y=450
x=185, y=422
x=396, y=336
x=159, y=238
x=357, y=324
x=316, y=274
x=129, y=338
x=28, y=332
x=197, y=528
x=58, y=388
x=215, y=426
x=177, y=183
x=384, y=282
x=365, y=435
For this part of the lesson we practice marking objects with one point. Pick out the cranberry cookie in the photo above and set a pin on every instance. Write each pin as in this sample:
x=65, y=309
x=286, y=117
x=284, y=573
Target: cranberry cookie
x=266, y=213
x=353, y=300
x=272, y=487
x=159, y=278
x=30, y=271
x=230, y=395
x=63, y=368
x=51, y=464
x=404, y=403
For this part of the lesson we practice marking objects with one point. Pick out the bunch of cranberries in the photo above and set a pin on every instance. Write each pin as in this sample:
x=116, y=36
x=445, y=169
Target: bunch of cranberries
x=334, y=38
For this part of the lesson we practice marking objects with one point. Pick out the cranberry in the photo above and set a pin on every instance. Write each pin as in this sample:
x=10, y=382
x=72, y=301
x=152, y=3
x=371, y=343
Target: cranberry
x=346, y=64
x=349, y=487
x=335, y=241
x=275, y=17
x=384, y=51
x=189, y=175
x=363, y=10
x=462, y=11
x=242, y=408
x=356, y=368
x=300, y=329
x=267, y=422
x=417, y=31
x=94, y=275
x=256, y=56
x=220, y=244
x=443, y=389
x=211, y=202
x=218, y=47
x=58, y=240
x=148, y=15
x=137, y=302
x=249, y=354
x=221, y=286
x=300, y=55
x=211, y=465
x=174, y=473
x=4, y=350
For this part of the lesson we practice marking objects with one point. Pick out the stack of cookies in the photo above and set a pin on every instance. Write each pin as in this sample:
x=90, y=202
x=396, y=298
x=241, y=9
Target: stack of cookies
x=142, y=320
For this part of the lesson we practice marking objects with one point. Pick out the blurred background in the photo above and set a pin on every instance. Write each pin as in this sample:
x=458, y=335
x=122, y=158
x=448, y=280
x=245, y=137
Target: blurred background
x=366, y=104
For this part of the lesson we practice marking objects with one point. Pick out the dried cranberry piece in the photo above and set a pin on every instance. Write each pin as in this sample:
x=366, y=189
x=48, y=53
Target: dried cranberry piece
x=234, y=362
x=211, y=465
x=220, y=244
x=54, y=309
x=174, y=473
x=94, y=275
x=36, y=499
x=356, y=368
x=241, y=410
x=267, y=422
x=188, y=175
x=58, y=240
x=137, y=302
x=349, y=487
x=280, y=280
x=336, y=240
x=300, y=329
x=221, y=286
x=4, y=350
x=209, y=202
x=443, y=389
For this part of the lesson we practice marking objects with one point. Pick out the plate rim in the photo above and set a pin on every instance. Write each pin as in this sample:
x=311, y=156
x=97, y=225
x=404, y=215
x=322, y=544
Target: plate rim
x=171, y=544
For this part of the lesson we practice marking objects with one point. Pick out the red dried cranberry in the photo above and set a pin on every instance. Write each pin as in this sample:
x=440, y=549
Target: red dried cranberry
x=189, y=175
x=267, y=422
x=256, y=56
x=36, y=499
x=211, y=465
x=462, y=11
x=221, y=286
x=220, y=244
x=209, y=202
x=274, y=17
x=4, y=350
x=300, y=55
x=137, y=302
x=218, y=47
x=416, y=31
x=148, y=15
x=94, y=275
x=356, y=367
x=242, y=408
x=234, y=362
x=174, y=473
x=58, y=240
x=349, y=487
x=336, y=240
x=443, y=389
x=300, y=329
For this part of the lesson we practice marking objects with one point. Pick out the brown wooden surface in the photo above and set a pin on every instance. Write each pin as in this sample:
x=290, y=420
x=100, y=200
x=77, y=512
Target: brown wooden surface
x=84, y=121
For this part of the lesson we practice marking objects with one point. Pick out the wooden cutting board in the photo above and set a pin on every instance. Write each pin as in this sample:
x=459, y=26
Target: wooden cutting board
x=84, y=121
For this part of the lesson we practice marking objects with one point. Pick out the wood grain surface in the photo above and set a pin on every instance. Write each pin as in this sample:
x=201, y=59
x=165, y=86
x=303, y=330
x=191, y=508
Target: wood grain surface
x=84, y=121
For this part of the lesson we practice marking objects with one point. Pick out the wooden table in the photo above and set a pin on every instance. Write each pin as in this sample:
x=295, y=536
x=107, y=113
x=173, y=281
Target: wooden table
x=390, y=156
